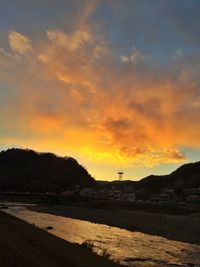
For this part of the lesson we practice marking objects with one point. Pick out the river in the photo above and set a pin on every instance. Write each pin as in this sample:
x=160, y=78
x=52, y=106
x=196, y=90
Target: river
x=128, y=248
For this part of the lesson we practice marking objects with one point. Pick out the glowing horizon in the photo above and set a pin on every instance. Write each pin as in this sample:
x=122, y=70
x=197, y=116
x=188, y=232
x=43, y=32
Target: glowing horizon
x=114, y=84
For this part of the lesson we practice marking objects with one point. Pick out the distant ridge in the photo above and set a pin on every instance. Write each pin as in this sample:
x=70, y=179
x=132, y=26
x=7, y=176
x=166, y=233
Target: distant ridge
x=24, y=170
x=186, y=176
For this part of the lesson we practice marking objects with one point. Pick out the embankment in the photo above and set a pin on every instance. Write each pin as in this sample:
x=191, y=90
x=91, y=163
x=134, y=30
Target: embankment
x=22, y=245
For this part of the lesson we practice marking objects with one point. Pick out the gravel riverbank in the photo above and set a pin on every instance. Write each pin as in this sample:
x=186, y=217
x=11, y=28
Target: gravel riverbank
x=175, y=227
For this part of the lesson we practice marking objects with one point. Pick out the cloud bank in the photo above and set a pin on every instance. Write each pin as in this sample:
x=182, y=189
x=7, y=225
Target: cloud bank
x=72, y=91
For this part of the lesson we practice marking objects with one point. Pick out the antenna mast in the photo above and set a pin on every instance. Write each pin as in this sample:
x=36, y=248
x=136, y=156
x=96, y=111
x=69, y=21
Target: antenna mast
x=120, y=173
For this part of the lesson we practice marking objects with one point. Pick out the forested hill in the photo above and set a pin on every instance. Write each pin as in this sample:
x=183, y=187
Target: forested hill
x=186, y=176
x=24, y=170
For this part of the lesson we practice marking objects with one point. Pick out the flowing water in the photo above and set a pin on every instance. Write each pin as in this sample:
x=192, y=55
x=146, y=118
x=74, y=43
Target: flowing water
x=128, y=248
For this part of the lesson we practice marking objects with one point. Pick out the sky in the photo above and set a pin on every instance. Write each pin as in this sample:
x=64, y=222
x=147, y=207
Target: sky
x=112, y=83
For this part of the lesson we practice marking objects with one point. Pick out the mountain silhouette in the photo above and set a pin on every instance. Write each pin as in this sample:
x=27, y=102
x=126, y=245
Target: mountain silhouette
x=24, y=170
x=186, y=176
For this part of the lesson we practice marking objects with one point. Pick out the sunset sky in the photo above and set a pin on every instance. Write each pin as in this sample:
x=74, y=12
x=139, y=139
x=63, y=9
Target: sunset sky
x=112, y=83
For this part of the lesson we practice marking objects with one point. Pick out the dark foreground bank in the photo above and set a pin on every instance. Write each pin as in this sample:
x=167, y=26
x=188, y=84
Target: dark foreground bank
x=23, y=245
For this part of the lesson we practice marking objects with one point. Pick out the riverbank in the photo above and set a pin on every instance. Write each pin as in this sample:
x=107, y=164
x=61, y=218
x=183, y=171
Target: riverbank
x=25, y=245
x=174, y=227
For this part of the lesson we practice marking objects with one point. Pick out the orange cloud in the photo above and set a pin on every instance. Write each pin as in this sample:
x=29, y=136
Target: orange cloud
x=19, y=43
x=69, y=95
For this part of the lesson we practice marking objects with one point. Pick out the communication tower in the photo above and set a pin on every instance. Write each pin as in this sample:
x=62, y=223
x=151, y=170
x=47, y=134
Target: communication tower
x=120, y=173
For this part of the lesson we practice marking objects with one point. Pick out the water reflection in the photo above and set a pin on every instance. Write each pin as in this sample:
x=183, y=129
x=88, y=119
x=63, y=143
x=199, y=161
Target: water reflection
x=129, y=248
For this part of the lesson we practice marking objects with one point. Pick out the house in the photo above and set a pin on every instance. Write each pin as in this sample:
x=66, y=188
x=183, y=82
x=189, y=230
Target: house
x=87, y=192
x=116, y=195
x=128, y=196
x=68, y=193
